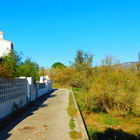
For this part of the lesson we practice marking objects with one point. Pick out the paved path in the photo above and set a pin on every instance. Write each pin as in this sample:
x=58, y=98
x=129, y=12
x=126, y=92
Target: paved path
x=49, y=121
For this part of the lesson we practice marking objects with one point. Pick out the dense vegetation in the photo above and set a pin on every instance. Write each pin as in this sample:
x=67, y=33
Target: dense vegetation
x=108, y=94
x=108, y=88
x=11, y=66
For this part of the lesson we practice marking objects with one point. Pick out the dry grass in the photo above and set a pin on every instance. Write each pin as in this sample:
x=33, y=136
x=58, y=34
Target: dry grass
x=98, y=122
x=75, y=135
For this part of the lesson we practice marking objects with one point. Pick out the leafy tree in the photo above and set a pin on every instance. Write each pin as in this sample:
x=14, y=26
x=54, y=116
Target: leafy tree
x=82, y=60
x=29, y=69
x=11, y=63
x=79, y=59
x=58, y=65
x=11, y=66
x=83, y=70
x=4, y=72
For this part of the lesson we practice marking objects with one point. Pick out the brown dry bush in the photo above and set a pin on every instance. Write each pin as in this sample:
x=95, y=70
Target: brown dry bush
x=4, y=71
x=113, y=91
x=61, y=76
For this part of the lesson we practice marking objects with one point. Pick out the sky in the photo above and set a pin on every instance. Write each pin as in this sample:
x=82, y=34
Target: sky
x=52, y=31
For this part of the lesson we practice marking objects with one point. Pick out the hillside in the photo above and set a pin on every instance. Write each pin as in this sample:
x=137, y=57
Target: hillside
x=127, y=65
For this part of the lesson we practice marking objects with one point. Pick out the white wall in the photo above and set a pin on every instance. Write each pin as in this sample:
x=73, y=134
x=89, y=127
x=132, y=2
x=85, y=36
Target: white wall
x=31, y=89
x=7, y=107
x=5, y=47
x=46, y=89
x=20, y=92
x=12, y=92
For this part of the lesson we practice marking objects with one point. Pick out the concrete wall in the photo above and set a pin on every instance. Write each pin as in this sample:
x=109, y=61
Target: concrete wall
x=7, y=107
x=19, y=92
x=47, y=88
x=12, y=92
x=31, y=89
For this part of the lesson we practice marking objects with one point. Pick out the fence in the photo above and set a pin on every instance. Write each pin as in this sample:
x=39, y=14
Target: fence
x=11, y=89
x=20, y=92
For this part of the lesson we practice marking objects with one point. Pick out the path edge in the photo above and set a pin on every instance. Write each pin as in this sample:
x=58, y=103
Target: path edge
x=80, y=119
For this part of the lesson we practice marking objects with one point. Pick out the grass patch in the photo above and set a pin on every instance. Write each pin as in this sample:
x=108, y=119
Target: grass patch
x=110, y=120
x=77, y=94
x=72, y=124
x=103, y=126
x=92, y=133
x=75, y=135
x=71, y=108
x=107, y=119
x=72, y=112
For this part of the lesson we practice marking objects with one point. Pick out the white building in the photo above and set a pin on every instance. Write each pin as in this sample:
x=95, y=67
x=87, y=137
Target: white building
x=5, y=45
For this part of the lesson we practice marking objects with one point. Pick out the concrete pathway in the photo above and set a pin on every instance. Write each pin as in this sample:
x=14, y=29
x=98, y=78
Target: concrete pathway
x=50, y=121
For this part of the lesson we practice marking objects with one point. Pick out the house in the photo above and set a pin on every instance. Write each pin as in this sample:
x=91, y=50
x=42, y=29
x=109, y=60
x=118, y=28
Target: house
x=5, y=45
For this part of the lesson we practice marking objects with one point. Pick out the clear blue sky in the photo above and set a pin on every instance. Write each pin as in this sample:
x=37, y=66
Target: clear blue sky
x=53, y=30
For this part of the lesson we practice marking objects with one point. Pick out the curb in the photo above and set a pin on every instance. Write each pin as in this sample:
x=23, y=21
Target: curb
x=80, y=119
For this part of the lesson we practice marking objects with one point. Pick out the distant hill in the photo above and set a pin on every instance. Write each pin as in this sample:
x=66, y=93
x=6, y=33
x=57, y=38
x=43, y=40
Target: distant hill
x=127, y=65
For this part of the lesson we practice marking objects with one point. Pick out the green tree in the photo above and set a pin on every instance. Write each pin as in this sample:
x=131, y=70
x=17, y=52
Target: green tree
x=29, y=69
x=82, y=60
x=4, y=72
x=58, y=65
x=11, y=62
x=83, y=70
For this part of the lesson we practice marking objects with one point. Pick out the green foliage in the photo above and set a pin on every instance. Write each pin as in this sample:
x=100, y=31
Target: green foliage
x=113, y=91
x=72, y=113
x=75, y=135
x=80, y=80
x=29, y=69
x=82, y=59
x=106, y=88
x=10, y=64
x=107, y=119
x=71, y=108
x=58, y=65
x=4, y=72
x=92, y=133
x=72, y=124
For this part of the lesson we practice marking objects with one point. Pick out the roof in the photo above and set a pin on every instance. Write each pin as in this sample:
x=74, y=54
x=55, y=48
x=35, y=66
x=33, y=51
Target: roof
x=5, y=40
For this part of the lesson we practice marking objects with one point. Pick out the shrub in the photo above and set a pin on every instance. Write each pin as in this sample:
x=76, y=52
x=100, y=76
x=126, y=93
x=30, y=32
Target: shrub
x=113, y=92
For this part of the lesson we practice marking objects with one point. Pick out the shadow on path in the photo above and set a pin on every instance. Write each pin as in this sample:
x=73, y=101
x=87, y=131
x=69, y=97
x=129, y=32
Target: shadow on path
x=112, y=134
x=15, y=118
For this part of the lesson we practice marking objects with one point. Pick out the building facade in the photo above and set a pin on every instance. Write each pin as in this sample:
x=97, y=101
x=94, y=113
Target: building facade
x=5, y=45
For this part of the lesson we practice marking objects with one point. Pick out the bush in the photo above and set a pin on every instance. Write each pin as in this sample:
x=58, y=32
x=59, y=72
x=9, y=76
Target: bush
x=113, y=92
